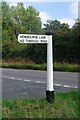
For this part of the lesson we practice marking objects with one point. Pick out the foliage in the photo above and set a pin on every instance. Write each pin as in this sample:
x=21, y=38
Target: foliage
x=65, y=41
x=20, y=19
x=76, y=41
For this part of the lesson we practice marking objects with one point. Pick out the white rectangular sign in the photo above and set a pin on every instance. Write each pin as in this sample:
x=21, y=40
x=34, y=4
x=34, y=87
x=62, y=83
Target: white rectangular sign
x=29, y=38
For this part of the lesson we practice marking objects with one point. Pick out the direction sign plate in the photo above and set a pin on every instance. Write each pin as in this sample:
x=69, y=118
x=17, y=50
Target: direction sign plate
x=29, y=38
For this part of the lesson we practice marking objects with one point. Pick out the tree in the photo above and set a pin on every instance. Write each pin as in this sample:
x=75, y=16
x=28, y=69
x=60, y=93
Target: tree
x=26, y=20
x=6, y=19
x=18, y=19
x=0, y=31
x=76, y=41
x=61, y=34
x=33, y=20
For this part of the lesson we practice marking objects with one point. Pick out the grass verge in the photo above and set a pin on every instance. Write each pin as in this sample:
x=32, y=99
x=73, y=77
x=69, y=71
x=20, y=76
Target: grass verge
x=25, y=66
x=0, y=109
x=57, y=66
x=66, y=67
x=65, y=105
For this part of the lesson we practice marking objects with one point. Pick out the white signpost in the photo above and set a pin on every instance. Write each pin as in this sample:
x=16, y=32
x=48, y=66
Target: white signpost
x=29, y=38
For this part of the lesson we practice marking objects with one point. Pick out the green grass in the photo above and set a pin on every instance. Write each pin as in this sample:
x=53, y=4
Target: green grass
x=57, y=66
x=66, y=67
x=25, y=66
x=0, y=109
x=65, y=105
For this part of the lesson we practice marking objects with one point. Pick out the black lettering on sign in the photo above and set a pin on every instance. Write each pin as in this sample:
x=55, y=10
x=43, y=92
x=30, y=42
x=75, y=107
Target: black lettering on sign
x=22, y=40
x=32, y=37
x=42, y=37
x=43, y=41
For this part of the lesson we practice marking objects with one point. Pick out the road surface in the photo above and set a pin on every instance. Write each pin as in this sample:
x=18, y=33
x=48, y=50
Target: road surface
x=32, y=83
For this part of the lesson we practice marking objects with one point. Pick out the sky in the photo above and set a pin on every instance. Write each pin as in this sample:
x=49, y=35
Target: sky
x=66, y=11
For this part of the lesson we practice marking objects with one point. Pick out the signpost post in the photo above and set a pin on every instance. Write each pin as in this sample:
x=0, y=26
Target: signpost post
x=41, y=39
x=50, y=89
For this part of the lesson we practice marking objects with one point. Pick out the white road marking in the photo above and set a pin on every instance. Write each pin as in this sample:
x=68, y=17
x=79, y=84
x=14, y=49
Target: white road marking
x=43, y=82
x=39, y=81
x=8, y=77
x=65, y=86
x=18, y=79
x=75, y=87
x=11, y=78
x=27, y=80
x=57, y=84
x=4, y=76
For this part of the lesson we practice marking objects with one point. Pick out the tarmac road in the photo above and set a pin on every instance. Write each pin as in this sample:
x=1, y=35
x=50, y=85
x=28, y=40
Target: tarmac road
x=32, y=83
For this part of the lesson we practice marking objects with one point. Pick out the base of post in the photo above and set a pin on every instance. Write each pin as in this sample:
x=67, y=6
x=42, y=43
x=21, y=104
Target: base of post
x=49, y=96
